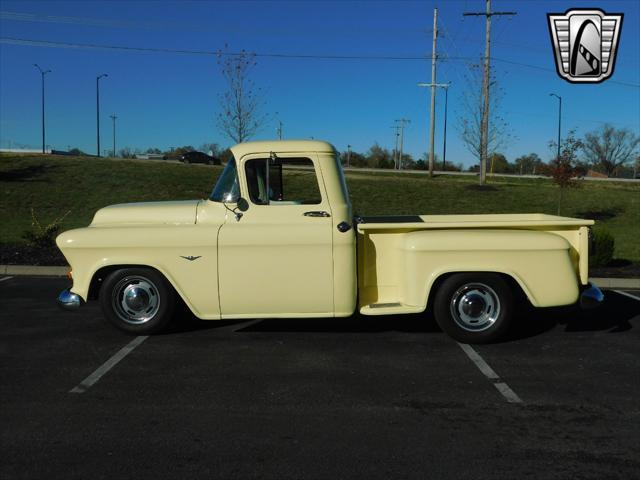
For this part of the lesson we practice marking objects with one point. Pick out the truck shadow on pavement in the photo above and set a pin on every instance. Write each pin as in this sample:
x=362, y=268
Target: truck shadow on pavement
x=616, y=315
x=419, y=323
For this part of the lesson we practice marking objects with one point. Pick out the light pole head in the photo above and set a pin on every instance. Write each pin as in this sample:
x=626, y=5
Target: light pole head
x=42, y=72
x=102, y=76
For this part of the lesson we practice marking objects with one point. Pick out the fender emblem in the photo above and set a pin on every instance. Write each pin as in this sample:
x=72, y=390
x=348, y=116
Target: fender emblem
x=191, y=258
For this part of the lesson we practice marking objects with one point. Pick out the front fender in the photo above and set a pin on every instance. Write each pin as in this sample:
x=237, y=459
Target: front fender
x=185, y=254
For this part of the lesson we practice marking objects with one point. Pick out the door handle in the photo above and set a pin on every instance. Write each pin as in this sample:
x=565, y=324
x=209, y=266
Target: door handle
x=316, y=213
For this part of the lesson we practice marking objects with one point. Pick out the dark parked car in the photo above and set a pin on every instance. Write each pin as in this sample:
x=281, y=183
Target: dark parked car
x=199, y=157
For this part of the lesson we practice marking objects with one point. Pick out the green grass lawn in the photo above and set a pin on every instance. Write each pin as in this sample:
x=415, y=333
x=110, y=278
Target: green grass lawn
x=51, y=186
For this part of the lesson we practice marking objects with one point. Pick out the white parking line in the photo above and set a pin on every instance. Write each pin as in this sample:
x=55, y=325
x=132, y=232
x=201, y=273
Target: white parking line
x=5, y=278
x=84, y=385
x=488, y=372
x=627, y=294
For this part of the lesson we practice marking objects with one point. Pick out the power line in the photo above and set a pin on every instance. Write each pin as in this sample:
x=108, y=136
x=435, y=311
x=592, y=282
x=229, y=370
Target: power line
x=545, y=69
x=46, y=43
x=89, y=46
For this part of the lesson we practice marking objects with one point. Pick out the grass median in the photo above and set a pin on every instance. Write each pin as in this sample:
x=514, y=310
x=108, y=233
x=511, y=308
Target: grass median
x=53, y=186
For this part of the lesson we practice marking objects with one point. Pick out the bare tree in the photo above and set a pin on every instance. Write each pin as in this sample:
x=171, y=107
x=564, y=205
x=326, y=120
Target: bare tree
x=240, y=116
x=469, y=123
x=563, y=169
x=610, y=147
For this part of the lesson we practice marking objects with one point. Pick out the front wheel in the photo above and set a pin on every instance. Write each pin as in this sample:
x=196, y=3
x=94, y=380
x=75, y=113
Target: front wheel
x=474, y=307
x=137, y=300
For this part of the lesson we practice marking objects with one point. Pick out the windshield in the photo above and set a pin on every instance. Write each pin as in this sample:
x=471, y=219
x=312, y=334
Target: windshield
x=227, y=189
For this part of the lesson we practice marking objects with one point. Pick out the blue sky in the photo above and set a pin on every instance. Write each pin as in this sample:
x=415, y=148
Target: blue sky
x=165, y=100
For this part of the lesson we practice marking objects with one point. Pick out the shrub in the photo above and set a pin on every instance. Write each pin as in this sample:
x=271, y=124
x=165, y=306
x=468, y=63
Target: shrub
x=43, y=236
x=603, y=245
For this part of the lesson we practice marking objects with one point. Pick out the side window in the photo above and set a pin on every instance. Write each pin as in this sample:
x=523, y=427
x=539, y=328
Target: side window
x=291, y=181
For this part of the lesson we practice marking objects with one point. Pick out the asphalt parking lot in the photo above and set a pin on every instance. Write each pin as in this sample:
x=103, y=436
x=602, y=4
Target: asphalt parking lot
x=367, y=397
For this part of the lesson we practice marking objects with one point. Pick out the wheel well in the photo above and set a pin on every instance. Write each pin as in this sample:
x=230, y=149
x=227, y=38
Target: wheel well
x=518, y=293
x=101, y=274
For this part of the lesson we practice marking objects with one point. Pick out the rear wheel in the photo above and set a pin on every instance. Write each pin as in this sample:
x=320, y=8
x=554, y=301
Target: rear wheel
x=137, y=300
x=474, y=307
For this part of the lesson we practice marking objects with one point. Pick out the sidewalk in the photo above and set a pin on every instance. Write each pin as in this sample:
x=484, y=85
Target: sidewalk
x=625, y=283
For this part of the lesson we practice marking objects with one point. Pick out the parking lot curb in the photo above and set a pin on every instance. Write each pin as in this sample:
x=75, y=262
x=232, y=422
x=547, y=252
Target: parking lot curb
x=632, y=283
x=33, y=270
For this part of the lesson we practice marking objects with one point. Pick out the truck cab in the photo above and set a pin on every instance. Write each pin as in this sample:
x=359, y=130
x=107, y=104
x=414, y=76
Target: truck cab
x=287, y=235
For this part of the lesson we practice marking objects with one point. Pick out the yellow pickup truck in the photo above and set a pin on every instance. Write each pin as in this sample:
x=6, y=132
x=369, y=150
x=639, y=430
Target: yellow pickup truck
x=277, y=238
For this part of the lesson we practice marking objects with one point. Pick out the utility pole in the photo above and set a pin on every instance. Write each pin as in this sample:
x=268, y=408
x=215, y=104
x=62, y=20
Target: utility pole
x=348, y=155
x=42, y=73
x=113, y=118
x=484, y=126
x=395, y=150
x=433, y=123
x=433, y=91
x=98, y=109
x=279, y=129
x=401, y=123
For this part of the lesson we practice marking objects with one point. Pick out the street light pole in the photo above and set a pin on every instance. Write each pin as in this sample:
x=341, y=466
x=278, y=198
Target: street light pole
x=98, y=109
x=279, y=129
x=113, y=118
x=348, y=155
x=559, y=117
x=42, y=74
x=446, y=101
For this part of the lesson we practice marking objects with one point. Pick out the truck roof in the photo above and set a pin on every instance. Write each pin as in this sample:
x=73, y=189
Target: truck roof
x=291, y=146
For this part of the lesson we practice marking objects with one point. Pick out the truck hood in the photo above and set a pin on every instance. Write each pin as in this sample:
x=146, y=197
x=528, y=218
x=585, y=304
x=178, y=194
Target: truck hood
x=147, y=213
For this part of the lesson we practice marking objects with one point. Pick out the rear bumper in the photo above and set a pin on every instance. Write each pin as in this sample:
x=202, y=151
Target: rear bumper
x=591, y=297
x=68, y=300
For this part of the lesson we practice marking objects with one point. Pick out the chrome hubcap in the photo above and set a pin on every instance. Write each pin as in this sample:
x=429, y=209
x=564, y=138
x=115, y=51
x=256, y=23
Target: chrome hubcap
x=135, y=300
x=475, y=307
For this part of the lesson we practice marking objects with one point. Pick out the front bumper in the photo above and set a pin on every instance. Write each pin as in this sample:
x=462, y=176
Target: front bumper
x=68, y=300
x=591, y=297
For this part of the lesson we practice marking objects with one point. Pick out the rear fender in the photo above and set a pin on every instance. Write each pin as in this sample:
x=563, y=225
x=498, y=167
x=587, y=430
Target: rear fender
x=539, y=262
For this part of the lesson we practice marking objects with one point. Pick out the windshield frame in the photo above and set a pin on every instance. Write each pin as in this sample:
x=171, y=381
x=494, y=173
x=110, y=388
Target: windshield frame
x=227, y=188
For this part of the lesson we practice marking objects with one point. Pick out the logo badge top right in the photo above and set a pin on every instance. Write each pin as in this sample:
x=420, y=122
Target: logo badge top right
x=585, y=44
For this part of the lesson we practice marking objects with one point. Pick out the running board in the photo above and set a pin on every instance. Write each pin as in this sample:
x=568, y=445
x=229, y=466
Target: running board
x=385, y=305
x=391, y=308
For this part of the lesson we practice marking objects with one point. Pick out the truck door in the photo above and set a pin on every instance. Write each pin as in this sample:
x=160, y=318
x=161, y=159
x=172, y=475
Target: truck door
x=276, y=260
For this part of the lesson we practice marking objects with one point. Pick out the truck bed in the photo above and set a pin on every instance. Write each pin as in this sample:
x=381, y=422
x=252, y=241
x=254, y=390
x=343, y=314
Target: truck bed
x=400, y=256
